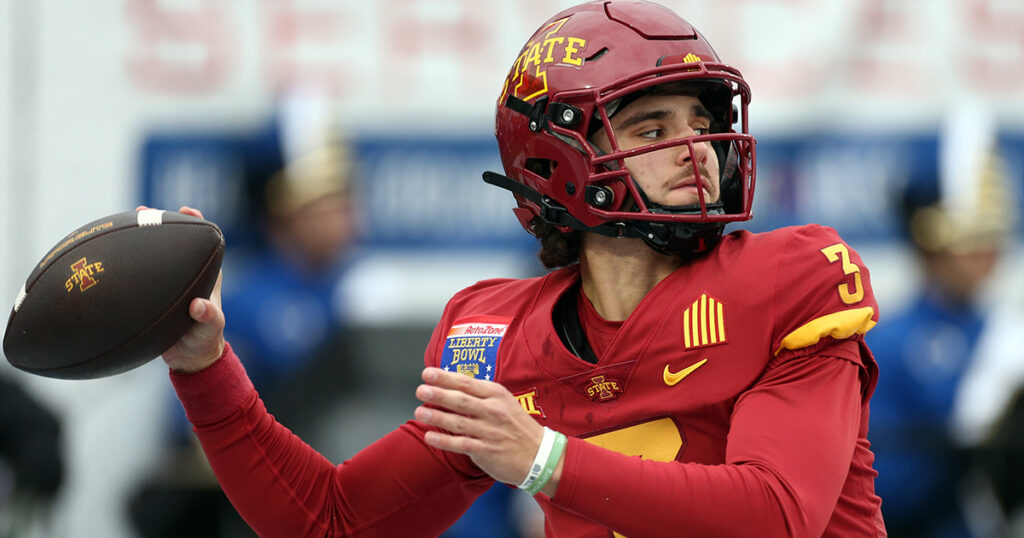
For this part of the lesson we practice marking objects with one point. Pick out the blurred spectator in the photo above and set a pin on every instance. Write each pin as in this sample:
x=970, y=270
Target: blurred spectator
x=285, y=323
x=959, y=220
x=280, y=299
x=31, y=464
x=988, y=418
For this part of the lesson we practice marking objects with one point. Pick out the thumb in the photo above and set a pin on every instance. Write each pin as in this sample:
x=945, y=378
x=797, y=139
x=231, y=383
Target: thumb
x=200, y=311
x=207, y=314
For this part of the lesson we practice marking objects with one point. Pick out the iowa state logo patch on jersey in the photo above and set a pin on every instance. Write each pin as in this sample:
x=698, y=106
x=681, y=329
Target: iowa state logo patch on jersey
x=471, y=347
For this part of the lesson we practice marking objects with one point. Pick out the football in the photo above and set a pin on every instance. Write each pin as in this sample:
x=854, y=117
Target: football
x=113, y=295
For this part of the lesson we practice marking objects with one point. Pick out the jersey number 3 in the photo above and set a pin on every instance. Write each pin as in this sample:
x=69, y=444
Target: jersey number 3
x=838, y=252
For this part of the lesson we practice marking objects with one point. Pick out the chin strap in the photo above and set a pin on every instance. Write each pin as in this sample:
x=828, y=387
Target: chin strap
x=555, y=213
x=688, y=240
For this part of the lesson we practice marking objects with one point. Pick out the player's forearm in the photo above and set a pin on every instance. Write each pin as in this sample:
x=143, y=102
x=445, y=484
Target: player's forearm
x=787, y=459
x=247, y=449
x=647, y=498
x=282, y=487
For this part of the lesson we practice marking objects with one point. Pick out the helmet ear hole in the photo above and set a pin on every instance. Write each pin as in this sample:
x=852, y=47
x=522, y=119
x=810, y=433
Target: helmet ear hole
x=542, y=167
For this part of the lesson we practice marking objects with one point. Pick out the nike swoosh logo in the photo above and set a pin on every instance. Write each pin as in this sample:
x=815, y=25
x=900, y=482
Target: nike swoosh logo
x=672, y=378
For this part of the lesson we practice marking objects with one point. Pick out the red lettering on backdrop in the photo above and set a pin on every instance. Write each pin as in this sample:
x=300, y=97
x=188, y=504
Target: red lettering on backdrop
x=992, y=53
x=179, y=49
x=302, y=46
x=791, y=67
x=459, y=32
x=886, y=49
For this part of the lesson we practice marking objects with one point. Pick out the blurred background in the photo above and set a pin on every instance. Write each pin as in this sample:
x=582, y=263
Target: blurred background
x=339, y=145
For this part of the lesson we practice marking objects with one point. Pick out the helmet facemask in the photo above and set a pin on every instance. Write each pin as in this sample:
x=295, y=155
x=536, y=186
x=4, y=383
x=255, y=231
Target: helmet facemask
x=685, y=230
x=580, y=69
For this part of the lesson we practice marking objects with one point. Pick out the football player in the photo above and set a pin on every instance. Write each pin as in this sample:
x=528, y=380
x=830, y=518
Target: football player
x=661, y=380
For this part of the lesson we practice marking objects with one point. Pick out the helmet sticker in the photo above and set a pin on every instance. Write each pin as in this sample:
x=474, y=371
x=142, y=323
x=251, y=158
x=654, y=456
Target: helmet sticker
x=528, y=79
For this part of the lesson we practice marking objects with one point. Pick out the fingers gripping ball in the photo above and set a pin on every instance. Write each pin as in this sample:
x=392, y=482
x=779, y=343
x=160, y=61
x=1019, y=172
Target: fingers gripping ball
x=113, y=295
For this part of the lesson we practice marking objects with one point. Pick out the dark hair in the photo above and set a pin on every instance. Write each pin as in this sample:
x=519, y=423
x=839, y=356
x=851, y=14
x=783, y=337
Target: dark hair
x=557, y=248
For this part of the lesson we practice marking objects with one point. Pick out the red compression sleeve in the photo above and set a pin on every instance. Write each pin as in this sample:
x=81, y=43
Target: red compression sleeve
x=789, y=451
x=397, y=486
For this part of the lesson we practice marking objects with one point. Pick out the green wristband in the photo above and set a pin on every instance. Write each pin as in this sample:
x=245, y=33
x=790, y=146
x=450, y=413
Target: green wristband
x=549, y=466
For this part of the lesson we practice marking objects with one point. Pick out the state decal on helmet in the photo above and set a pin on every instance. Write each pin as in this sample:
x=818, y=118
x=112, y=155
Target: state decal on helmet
x=576, y=71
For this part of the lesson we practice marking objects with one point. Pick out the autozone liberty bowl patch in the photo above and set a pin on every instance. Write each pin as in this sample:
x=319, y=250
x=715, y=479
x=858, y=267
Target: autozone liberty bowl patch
x=471, y=347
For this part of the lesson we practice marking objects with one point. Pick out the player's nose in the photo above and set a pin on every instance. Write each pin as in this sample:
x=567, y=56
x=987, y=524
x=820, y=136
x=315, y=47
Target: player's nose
x=698, y=155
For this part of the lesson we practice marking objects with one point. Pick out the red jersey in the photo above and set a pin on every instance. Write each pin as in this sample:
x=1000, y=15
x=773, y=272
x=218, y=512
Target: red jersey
x=733, y=401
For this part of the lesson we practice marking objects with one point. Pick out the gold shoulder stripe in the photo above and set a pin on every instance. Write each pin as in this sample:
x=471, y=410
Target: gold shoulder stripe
x=838, y=325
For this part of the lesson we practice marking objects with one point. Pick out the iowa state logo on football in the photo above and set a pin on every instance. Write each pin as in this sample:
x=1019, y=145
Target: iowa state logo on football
x=471, y=347
x=83, y=275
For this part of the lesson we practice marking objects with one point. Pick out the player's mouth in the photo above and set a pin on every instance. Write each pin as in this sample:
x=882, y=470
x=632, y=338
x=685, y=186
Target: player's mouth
x=689, y=184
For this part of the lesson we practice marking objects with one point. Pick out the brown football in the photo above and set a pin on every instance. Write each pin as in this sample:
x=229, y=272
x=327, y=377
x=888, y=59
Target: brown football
x=113, y=294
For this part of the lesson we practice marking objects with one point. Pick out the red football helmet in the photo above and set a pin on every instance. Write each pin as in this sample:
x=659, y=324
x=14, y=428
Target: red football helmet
x=574, y=73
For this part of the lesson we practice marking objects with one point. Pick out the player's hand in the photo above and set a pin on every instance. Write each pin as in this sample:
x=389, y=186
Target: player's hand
x=203, y=344
x=484, y=421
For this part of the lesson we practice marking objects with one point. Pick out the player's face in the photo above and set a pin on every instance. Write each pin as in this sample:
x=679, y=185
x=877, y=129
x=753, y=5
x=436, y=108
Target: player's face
x=322, y=230
x=666, y=175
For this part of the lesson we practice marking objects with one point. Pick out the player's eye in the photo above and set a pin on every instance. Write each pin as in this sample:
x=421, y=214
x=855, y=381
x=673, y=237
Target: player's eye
x=651, y=134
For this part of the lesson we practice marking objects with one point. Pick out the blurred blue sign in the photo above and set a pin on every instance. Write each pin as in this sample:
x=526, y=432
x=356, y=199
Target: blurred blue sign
x=202, y=170
x=425, y=192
